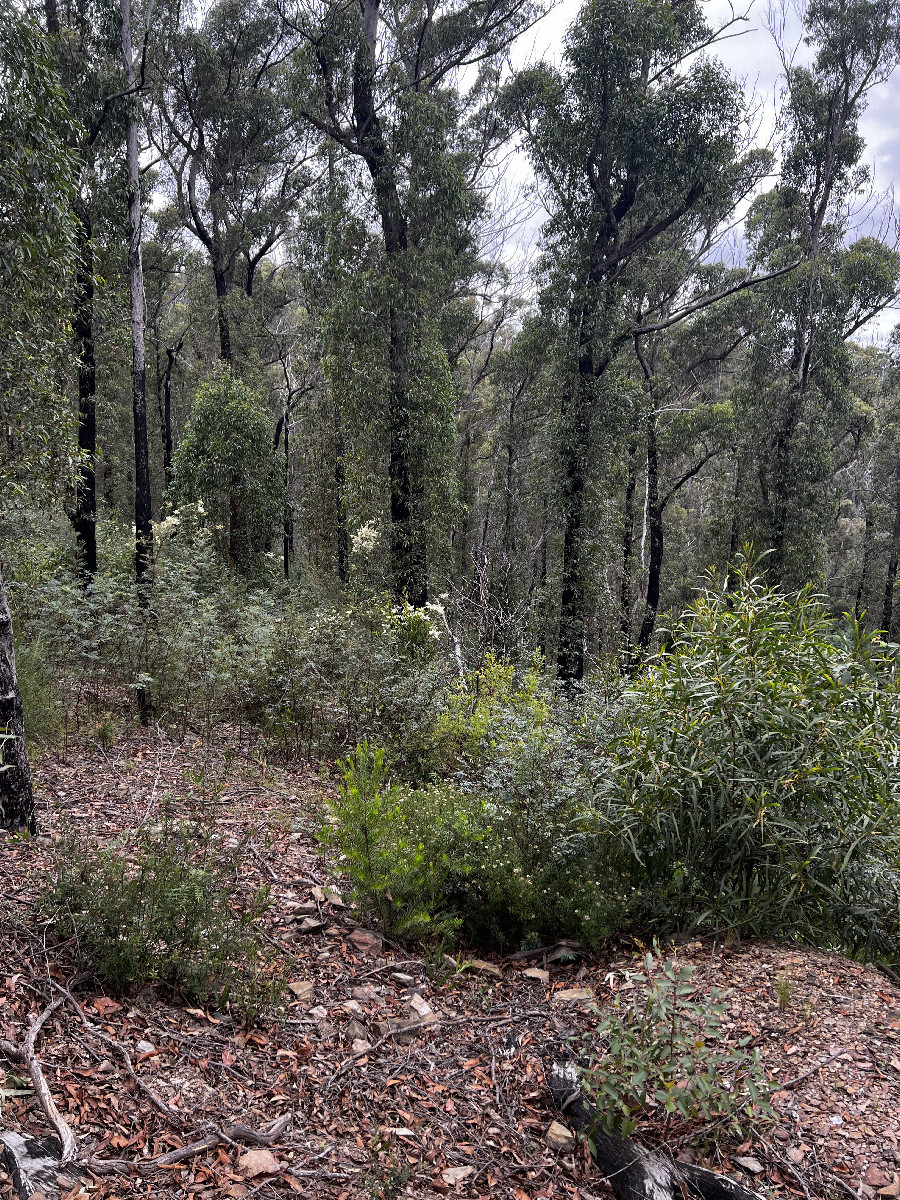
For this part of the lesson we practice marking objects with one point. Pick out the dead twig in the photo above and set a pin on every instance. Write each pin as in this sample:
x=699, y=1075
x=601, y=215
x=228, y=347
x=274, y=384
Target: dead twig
x=158, y=1103
x=806, y=1074
x=25, y=1054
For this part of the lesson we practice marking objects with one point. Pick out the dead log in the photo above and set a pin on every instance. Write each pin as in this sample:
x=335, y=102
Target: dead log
x=35, y=1166
x=632, y=1171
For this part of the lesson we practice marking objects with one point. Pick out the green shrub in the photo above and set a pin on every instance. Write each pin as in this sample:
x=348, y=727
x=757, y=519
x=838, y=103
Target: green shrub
x=160, y=910
x=40, y=700
x=757, y=775
x=657, y=1054
x=396, y=877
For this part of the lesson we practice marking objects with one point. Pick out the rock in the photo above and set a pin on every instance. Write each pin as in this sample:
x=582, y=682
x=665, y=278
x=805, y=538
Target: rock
x=454, y=1175
x=891, y=1190
x=302, y=907
x=310, y=925
x=559, y=1138
x=319, y=1013
x=360, y=1046
x=366, y=994
x=365, y=940
x=302, y=988
x=355, y=1031
x=478, y=966
x=752, y=1165
x=258, y=1162
x=877, y=1178
x=573, y=996
x=144, y=1047
x=795, y=1155
x=401, y=978
x=537, y=974
x=419, y=1006
x=335, y=899
x=352, y=1007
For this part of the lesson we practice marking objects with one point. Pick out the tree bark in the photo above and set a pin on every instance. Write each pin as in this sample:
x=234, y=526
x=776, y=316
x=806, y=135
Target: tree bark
x=655, y=526
x=168, y=442
x=16, y=796
x=887, y=612
x=409, y=566
x=632, y=1171
x=626, y=595
x=84, y=517
x=862, y=586
x=220, y=277
x=143, y=530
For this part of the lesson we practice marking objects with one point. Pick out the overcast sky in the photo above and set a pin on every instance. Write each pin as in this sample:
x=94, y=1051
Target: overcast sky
x=754, y=58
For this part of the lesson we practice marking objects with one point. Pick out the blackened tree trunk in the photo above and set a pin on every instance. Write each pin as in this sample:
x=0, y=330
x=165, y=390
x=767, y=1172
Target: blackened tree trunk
x=409, y=566
x=84, y=516
x=887, y=612
x=626, y=595
x=655, y=528
x=221, y=280
x=143, y=531
x=16, y=796
x=172, y=353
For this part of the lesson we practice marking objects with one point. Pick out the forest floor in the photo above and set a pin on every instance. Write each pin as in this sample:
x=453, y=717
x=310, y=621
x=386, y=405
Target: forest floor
x=455, y=1106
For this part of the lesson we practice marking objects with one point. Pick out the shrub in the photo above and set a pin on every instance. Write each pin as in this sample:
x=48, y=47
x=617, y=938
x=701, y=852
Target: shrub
x=395, y=876
x=160, y=910
x=40, y=701
x=757, y=773
x=656, y=1055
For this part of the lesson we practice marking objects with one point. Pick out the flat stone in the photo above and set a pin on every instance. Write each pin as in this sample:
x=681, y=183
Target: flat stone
x=258, y=1162
x=360, y=1046
x=144, y=1047
x=573, y=996
x=353, y=1007
x=478, y=966
x=356, y=1031
x=537, y=974
x=752, y=1165
x=302, y=988
x=454, y=1175
x=310, y=925
x=419, y=1006
x=559, y=1138
x=402, y=978
x=366, y=940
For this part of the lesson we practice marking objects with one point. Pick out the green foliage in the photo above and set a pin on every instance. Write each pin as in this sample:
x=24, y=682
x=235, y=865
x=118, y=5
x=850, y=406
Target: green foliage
x=394, y=876
x=757, y=772
x=40, y=698
x=658, y=1055
x=162, y=908
x=225, y=461
x=37, y=177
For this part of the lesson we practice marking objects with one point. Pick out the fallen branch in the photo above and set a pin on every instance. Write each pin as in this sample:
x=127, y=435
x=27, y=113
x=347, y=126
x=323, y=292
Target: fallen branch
x=158, y=1103
x=792, y=1083
x=632, y=1171
x=226, y=1135
x=25, y=1054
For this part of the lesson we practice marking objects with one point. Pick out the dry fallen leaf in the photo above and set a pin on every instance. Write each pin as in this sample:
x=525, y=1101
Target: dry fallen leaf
x=454, y=1175
x=258, y=1162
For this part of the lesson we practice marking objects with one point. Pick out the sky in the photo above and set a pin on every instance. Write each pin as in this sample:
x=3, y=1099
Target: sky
x=753, y=57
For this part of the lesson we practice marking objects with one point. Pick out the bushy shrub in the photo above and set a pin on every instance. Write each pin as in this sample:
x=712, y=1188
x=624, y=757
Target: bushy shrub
x=40, y=699
x=161, y=909
x=757, y=775
x=396, y=875
x=660, y=1053
x=326, y=677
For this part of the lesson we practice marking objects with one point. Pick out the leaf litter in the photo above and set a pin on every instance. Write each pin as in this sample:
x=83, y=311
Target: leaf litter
x=391, y=1075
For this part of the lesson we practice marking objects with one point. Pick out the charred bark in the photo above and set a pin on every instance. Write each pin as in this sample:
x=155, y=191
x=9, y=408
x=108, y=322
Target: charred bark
x=16, y=795
x=84, y=516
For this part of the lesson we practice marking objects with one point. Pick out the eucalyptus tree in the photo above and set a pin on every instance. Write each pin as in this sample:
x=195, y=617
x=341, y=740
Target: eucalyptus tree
x=798, y=388
x=630, y=137
x=222, y=124
x=37, y=254
x=406, y=93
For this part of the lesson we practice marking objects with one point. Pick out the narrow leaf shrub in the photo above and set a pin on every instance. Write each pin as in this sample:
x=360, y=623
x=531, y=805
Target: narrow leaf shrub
x=162, y=909
x=756, y=779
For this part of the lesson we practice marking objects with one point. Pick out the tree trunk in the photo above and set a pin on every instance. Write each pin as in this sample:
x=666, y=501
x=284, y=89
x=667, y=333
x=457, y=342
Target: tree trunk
x=887, y=612
x=626, y=596
x=862, y=587
x=632, y=1171
x=409, y=566
x=288, y=531
x=221, y=280
x=575, y=452
x=340, y=500
x=143, y=531
x=84, y=517
x=16, y=796
x=655, y=526
x=168, y=444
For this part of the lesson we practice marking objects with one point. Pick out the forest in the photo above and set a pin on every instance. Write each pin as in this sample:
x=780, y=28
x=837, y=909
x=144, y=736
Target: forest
x=449, y=548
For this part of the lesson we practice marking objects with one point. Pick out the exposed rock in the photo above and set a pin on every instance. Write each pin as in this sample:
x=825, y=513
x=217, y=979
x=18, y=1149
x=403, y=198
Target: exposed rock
x=537, y=974
x=558, y=1137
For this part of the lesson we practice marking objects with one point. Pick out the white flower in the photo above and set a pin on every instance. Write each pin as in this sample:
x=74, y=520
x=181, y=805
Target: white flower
x=365, y=539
